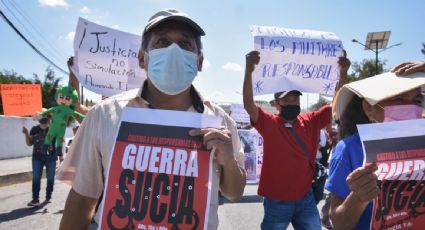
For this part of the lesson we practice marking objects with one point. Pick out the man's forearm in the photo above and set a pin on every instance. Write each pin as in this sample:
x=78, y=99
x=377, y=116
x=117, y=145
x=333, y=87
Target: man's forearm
x=28, y=139
x=233, y=180
x=347, y=214
x=78, y=211
x=342, y=80
x=248, y=96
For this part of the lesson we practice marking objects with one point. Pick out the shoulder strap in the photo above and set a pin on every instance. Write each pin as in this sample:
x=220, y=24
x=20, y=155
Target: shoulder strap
x=300, y=142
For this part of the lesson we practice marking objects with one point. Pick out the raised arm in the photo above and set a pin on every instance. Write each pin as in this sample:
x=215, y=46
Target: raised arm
x=28, y=138
x=73, y=81
x=344, y=64
x=252, y=59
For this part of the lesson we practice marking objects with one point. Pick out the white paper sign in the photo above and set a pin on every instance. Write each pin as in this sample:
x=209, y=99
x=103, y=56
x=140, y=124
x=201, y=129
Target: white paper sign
x=292, y=59
x=398, y=150
x=105, y=59
x=239, y=114
x=391, y=131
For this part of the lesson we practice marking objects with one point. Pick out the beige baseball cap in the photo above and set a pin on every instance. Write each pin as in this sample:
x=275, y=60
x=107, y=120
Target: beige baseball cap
x=375, y=89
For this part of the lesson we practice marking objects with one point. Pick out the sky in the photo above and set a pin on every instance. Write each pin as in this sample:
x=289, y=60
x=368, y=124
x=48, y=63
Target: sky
x=226, y=24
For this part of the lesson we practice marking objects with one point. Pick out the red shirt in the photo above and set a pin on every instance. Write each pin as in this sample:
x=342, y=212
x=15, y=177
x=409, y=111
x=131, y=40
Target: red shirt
x=286, y=174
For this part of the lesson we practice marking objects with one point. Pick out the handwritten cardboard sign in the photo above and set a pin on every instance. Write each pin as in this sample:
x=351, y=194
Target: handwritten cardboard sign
x=293, y=59
x=21, y=99
x=106, y=59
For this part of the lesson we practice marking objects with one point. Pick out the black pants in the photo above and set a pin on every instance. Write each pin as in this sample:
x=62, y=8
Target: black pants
x=318, y=187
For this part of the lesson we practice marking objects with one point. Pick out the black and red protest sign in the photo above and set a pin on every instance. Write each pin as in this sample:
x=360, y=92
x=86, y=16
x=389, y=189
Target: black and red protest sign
x=400, y=156
x=158, y=178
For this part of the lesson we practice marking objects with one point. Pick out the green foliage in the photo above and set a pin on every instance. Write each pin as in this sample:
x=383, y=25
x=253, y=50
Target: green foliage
x=48, y=86
x=11, y=77
x=365, y=69
x=318, y=104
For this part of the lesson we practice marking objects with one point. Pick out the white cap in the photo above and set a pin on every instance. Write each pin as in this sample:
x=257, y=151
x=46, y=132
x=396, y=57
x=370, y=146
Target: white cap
x=172, y=14
x=375, y=89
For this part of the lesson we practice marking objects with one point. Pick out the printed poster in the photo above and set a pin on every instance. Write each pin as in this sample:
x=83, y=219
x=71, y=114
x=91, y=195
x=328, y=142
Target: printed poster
x=398, y=148
x=295, y=59
x=159, y=177
x=252, y=144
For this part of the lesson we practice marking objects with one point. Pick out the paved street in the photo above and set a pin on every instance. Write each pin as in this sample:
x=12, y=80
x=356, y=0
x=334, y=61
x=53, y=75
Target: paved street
x=15, y=215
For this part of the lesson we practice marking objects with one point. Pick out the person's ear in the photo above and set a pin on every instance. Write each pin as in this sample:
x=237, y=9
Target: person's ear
x=368, y=109
x=200, y=61
x=141, y=57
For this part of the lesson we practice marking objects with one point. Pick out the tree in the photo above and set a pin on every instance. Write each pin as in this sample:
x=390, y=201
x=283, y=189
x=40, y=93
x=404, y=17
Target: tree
x=365, y=69
x=11, y=77
x=48, y=86
x=318, y=104
x=423, y=49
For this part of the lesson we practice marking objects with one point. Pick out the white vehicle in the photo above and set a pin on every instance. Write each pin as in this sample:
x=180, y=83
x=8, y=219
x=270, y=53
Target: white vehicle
x=67, y=144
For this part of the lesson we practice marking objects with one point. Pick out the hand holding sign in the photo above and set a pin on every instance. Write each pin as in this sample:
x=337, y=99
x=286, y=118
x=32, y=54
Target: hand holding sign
x=294, y=59
x=363, y=183
x=218, y=139
x=25, y=130
x=252, y=59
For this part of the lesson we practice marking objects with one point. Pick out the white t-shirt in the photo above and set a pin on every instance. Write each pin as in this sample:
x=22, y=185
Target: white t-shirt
x=86, y=164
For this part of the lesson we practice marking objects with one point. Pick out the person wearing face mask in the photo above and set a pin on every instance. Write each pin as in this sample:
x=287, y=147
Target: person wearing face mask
x=383, y=98
x=171, y=55
x=288, y=198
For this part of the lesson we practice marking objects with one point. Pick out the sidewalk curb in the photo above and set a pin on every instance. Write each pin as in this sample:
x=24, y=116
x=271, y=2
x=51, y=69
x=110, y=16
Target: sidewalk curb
x=19, y=177
x=15, y=178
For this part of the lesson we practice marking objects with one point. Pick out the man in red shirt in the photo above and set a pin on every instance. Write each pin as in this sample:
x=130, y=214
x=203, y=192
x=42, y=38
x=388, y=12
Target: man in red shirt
x=290, y=146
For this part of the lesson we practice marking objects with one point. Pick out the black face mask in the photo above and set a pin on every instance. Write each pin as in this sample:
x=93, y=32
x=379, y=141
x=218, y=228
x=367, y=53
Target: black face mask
x=290, y=112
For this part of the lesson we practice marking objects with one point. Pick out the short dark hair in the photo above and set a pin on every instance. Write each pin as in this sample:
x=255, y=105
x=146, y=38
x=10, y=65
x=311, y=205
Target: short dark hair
x=352, y=116
x=147, y=36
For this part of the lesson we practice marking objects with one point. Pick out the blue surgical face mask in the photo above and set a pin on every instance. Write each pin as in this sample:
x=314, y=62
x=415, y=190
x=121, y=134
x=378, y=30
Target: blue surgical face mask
x=172, y=69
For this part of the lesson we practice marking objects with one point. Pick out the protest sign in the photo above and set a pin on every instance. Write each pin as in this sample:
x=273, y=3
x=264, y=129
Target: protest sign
x=294, y=59
x=105, y=59
x=159, y=176
x=398, y=148
x=252, y=144
x=21, y=99
x=239, y=114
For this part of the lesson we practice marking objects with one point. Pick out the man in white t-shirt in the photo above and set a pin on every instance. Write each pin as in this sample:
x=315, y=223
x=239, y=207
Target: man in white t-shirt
x=175, y=39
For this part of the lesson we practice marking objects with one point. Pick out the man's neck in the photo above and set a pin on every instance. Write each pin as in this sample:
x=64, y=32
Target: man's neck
x=160, y=100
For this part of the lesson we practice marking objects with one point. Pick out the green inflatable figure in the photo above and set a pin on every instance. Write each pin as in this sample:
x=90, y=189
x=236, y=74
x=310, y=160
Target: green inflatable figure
x=61, y=115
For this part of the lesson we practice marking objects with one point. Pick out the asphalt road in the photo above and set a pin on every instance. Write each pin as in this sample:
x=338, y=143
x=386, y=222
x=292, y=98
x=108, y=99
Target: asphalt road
x=14, y=213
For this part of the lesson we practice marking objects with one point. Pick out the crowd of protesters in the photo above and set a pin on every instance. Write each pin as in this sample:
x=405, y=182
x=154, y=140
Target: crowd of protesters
x=323, y=145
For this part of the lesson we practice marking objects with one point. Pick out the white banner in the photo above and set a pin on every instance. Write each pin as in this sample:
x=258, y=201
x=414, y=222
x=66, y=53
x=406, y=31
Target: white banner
x=105, y=59
x=239, y=114
x=293, y=59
